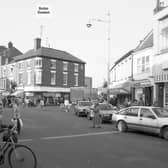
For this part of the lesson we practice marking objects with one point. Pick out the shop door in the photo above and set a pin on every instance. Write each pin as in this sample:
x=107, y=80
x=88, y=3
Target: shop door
x=148, y=91
x=160, y=94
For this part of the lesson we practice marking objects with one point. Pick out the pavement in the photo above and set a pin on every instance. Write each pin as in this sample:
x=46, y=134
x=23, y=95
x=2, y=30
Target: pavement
x=63, y=140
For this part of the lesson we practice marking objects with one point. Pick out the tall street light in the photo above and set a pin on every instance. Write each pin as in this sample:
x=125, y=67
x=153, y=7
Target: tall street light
x=108, y=21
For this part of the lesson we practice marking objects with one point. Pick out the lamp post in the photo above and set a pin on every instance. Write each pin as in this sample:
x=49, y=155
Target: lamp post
x=108, y=21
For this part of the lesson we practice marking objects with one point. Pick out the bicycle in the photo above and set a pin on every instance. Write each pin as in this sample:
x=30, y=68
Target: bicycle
x=18, y=155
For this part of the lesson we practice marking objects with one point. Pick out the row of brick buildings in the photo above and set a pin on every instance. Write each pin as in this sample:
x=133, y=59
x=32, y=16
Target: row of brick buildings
x=143, y=71
x=40, y=72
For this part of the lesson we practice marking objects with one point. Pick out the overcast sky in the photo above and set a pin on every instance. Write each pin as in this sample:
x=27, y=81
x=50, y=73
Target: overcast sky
x=66, y=29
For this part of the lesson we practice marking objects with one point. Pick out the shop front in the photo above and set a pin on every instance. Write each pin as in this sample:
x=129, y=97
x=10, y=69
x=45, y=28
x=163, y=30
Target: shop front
x=144, y=89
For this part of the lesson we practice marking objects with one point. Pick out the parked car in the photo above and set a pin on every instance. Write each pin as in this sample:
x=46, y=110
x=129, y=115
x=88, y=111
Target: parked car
x=106, y=112
x=82, y=108
x=143, y=118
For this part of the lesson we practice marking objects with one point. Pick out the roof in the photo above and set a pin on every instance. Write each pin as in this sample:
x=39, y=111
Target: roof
x=10, y=53
x=147, y=42
x=49, y=52
x=122, y=58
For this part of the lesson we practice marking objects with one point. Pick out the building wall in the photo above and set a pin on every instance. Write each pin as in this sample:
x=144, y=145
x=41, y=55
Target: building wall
x=122, y=71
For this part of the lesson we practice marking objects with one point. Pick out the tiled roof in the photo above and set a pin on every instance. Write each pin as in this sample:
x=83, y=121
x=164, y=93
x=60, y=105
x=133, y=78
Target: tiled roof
x=49, y=52
x=122, y=58
x=10, y=53
x=147, y=42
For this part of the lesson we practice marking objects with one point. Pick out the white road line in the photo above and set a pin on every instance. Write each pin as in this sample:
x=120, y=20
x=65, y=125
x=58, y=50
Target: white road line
x=25, y=140
x=79, y=135
x=71, y=136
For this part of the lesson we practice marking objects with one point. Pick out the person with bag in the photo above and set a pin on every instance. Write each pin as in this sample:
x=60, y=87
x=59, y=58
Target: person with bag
x=97, y=116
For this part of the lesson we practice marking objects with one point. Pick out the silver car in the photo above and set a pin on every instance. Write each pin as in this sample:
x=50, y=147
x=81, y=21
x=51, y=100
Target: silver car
x=143, y=118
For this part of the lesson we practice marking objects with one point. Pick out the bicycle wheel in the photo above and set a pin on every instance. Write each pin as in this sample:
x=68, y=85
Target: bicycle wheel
x=22, y=156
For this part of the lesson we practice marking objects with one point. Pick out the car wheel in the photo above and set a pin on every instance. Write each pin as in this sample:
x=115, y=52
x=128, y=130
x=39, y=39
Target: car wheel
x=122, y=126
x=165, y=133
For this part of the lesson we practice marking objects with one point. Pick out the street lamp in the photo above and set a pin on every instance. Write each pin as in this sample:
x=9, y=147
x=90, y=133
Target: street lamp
x=108, y=21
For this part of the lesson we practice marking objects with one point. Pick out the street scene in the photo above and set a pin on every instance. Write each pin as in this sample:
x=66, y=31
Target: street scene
x=84, y=84
x=62, y=139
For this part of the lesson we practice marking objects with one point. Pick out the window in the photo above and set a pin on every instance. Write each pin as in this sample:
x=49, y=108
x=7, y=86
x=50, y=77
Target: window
x=146, y=113
x=65, y=66
x=29, y=63
x=20, y=65
x=53, y=64
x=76, y=67
x=65, y=78
x=20, y=78
x=38, y=62
x=82, y=67
x=143, y=64
x=29, y=77
x=38, y=76
x=133, y=112
x=76, y=79
x=53, y=77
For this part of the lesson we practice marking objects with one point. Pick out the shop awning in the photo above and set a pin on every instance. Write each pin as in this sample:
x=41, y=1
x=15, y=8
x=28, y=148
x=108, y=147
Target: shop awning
x=117, y=91
x=18, y=93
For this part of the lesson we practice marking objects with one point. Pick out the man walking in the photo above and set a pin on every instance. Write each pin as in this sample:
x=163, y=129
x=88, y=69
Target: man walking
x=97, y=117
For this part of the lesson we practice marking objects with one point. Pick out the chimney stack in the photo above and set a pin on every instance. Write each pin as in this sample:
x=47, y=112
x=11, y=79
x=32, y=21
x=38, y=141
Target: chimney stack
x=37, y=43
x=10, y=44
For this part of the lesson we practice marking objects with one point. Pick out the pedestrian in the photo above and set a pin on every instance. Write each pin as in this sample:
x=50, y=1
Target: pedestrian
x=97, y=116
x=141, y=102
x=41, y=104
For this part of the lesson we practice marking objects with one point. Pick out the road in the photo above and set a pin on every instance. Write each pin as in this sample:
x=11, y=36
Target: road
x=62, y=140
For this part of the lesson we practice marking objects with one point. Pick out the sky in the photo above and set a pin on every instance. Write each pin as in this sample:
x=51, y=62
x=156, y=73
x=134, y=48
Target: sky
x=65, y=28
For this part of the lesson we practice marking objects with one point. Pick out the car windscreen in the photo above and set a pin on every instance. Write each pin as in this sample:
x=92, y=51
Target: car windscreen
x=85, y=103
x=161, y=112
x=105, y=107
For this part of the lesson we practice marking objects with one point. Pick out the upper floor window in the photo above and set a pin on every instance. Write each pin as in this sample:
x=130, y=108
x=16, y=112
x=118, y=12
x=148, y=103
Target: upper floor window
x=53, y=64
x=65, y=66
x=20, y=78
x=53, y=77
x=38, y=76
x=82, y=66
x=76, y=67
x=29, y=63
x=76, y=79
x=65, y=78
x=143, y=64
x=29, y=75
x=38, y=62
x=20, y=65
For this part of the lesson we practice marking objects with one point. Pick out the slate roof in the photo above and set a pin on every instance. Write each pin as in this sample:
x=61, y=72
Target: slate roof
x=49, y=52
x=147, y=42
x=9, y=53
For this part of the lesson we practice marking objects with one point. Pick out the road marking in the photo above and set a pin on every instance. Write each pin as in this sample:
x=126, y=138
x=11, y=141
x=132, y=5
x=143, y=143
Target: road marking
x=71, y=136
x=25, y=140
x=79, y=135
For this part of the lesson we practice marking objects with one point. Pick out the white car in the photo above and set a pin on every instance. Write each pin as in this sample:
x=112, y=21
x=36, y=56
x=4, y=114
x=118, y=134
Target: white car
x=143, y=118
